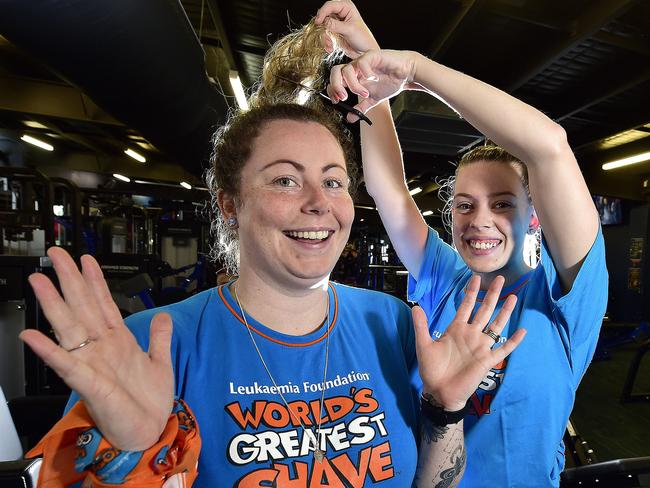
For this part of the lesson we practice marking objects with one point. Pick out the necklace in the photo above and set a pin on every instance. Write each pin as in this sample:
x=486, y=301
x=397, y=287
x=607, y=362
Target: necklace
x=319, y=454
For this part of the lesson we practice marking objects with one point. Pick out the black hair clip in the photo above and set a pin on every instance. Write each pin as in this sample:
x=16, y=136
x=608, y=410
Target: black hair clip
x=341, y=105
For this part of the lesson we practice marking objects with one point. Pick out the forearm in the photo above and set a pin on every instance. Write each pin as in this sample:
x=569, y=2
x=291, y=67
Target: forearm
x=521, y=129
x=381, y=154
x=383, y=170
x=441, y=455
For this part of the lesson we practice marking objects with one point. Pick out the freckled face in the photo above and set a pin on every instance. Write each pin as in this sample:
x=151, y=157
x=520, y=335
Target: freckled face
x=295, y=211
x=491, y=215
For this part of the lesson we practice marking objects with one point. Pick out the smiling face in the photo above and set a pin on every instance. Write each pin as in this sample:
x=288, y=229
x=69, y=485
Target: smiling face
x=294, y=209
x=491, y=216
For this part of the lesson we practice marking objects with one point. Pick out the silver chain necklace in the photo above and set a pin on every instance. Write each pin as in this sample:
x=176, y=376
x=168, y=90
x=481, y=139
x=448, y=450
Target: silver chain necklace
x=319, y=454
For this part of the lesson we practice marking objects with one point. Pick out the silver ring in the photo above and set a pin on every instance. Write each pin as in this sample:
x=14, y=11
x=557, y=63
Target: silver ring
x=493, y=335
x=83, y=344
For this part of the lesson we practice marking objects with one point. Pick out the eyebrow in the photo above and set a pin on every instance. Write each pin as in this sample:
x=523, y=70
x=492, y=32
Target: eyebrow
x=300, y=167
x=491, y=195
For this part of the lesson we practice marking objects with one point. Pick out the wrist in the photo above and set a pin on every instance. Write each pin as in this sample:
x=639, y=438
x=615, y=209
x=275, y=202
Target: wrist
x=435, y=413
x=448, y=406
x=418, y=62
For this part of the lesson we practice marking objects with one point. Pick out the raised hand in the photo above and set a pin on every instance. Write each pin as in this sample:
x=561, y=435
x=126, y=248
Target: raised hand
x=375, y=76
x=453, y=366
x=342, y=19
x=129, y=393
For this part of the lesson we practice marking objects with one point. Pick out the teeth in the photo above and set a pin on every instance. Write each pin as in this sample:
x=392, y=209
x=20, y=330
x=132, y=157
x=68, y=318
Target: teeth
x=483, y=245
x=312, y=235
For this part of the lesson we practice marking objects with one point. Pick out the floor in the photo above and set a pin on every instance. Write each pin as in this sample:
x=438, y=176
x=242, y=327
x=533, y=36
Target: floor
x=614, y=430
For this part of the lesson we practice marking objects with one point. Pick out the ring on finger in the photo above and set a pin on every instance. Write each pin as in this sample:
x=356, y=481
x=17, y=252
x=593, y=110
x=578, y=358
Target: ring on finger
x=493, y=335
x=83, y=344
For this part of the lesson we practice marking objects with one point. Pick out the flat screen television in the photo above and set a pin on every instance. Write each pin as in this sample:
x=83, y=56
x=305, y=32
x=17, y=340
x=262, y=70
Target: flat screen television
x=609, y=209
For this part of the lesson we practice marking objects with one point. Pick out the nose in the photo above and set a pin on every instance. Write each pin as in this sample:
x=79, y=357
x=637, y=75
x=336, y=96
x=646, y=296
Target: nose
x=482, y=218
x=316, y=201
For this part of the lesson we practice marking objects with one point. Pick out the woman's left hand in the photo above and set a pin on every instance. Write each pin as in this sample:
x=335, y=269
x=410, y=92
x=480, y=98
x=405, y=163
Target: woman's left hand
x=453, y=366
x=375, y=76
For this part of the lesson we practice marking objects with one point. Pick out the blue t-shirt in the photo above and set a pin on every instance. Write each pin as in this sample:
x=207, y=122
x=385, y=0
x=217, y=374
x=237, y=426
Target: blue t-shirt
x=518, y=414
x=370, y=407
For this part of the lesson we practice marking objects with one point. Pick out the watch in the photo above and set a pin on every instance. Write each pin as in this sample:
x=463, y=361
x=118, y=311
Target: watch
x=437, y=414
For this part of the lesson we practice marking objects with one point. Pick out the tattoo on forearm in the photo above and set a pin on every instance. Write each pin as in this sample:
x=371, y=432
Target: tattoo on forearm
x=433, y=433
x=448, y=476
x=442, y=457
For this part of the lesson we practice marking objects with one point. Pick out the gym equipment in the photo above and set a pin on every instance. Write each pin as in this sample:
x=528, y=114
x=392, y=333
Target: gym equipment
x=142, y=285
x=576, y=449
x=582, y=468
x=21, y=372
x=613, y=336
x=10, y=448
x=20, y=474
x=627, y=395
x=618, y=473
x=26, y=220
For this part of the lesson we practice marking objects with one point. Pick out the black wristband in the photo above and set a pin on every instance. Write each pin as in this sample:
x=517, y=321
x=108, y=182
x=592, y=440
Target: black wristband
x=438, y=415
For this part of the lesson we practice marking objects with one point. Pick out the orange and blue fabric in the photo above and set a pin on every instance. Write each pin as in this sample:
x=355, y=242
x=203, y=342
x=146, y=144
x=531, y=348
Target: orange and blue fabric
x=75, y=454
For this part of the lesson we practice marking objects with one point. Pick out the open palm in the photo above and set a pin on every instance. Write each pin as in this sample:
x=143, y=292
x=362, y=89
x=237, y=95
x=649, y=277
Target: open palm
x=452, y=367
x=129, y=393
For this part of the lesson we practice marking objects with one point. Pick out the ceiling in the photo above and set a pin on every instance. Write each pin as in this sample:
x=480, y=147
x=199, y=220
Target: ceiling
x=97, y=78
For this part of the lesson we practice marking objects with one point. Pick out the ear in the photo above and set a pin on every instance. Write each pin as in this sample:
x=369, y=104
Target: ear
x=533, y=225
x=227, y=205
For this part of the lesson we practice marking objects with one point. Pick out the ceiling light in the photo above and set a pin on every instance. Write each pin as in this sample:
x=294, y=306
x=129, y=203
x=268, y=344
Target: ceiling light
x=37, y=142
x=426, y=213
x=415, y=191
x=34, y=125
x=121, y=177
x=623, y=138
x=627, y=161
x=237, y=87
x=135, y=155
x=186, y=185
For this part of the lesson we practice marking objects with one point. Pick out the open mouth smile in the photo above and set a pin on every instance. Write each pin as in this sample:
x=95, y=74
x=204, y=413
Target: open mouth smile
x=483, y=244
x=482, y=247
x=309, y=236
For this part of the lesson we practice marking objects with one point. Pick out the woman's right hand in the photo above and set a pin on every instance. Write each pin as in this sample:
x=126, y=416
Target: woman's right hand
x=128, y=393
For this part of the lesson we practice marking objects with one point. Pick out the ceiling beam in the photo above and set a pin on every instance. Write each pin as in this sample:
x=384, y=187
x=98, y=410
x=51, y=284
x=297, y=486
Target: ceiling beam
x=632, y=44
x=51, y=100
x=539, y=18
x=440, y=43
x=610, y=83
x=624, y=121
x=217, y=19
x=599, y=14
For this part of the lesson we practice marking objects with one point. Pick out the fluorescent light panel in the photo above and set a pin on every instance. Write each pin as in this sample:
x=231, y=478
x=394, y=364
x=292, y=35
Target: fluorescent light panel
x=427, y=213
x=238, y=88
x=415, y=191
x=135, y=155
x=619, y=163
x=186, y=185
x=37, y=142
x=121, y=177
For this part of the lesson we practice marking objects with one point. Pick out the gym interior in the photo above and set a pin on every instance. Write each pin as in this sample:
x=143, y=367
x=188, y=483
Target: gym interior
x=107, y=111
